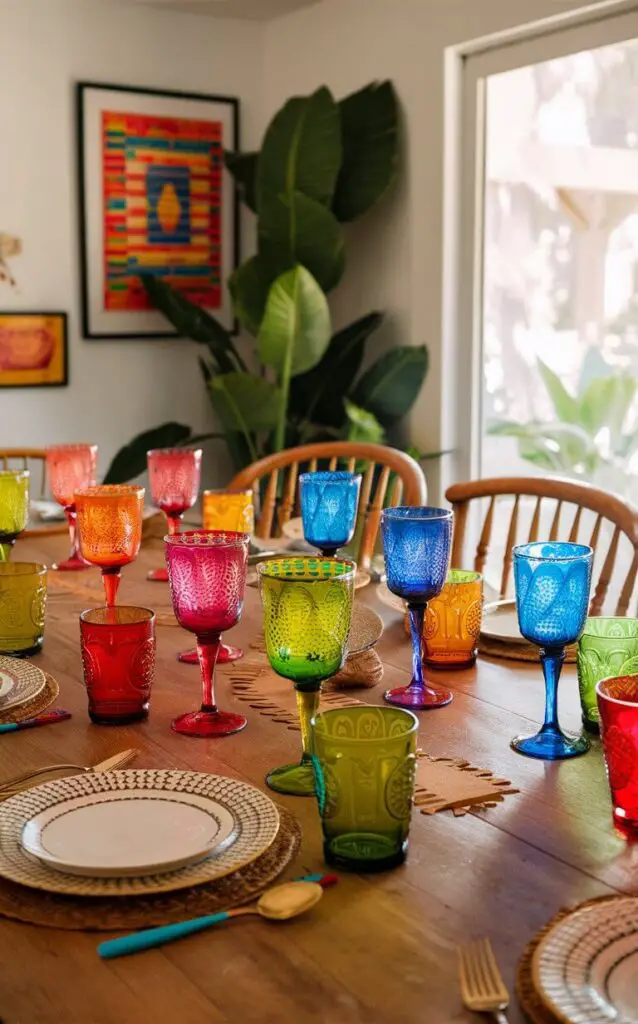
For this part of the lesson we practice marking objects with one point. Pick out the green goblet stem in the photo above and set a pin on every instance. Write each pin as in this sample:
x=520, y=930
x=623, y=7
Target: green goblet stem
x=298, y=779
x=6, y=548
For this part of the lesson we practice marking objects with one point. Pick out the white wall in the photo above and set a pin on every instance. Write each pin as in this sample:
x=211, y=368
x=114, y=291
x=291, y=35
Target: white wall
x=116, y=388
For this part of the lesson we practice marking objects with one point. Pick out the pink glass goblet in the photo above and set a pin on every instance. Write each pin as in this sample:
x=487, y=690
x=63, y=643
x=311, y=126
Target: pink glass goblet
x=207, y=577
x=173, y=476
x=70, y=468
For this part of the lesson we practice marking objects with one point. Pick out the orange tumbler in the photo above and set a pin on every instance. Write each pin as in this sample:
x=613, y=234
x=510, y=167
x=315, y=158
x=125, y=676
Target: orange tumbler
x=453, y=621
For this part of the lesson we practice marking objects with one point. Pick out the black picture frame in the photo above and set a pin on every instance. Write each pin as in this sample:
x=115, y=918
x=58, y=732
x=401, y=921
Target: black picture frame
x=81, y=90
x=64, y=323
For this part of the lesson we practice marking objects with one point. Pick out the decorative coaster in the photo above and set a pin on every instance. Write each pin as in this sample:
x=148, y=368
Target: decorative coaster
x=274, y=697
x=448, y=783
x=362, y=669
x=518, y=651
x=34, y=707
x=99, y=914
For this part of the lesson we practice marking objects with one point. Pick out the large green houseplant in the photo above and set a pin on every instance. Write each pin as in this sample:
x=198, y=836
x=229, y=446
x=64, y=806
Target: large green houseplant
x=322, y=164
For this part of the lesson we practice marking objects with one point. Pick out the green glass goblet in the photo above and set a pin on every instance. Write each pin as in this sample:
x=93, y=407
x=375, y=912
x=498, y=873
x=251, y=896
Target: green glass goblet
x=608, y=648
x=307, y=606
x=14, y=508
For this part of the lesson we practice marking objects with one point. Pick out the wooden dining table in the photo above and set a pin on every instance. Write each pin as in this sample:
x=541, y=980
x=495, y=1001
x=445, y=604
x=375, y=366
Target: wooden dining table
x=377, y=948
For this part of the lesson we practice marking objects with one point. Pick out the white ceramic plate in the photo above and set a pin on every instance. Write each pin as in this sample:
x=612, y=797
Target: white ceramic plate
x=128, y=833
x=586, y=968
x=20, y=682
x=256, y=824
x=500, y=622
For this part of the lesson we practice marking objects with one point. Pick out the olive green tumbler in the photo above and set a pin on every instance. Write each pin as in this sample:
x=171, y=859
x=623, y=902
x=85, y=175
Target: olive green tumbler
x=607, y=648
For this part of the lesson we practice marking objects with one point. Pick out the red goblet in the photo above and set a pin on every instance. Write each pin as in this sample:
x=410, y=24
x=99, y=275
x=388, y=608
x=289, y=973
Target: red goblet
x=70, y=468
x=207, y=577
x=173, y=476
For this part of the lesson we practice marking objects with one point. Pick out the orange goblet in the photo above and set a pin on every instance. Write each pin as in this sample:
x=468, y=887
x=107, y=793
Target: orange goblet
x=109, y=520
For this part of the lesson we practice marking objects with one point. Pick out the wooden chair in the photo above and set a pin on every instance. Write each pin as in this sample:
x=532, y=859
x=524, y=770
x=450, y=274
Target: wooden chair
x=601, y=520
x=390, y=477
x=33, y=459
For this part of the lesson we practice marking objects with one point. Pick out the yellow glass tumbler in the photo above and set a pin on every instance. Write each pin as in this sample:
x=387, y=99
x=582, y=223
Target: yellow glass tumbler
x=14, y=508
x=453, y=621
x=23, y=595
x=223, y=510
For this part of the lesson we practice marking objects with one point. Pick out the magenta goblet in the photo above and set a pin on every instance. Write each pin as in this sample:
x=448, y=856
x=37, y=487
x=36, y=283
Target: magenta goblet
x=173, y=476
x=207, y=577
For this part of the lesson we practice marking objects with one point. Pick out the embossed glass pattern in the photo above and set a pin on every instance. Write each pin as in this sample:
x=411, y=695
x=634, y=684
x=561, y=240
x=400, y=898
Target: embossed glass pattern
x=207, y=577
x=71, y=467
x=618, y=709
x=23, y=598
x=608, y=647
x=14, y=508
x=416, y=547
x=307, y=605
x=109, y=520
x=118, y=656
x=364, y=760
x=552, y=581
x=173, y=477
x=329, y=503
x=453, y=621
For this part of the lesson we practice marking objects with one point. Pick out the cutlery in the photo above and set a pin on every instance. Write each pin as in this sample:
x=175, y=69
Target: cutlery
x=121, y=760
x=48, y=718
x=482, y=987
x=278, y=904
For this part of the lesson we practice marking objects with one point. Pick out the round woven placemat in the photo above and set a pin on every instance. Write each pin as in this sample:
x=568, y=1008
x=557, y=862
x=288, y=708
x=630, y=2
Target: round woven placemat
x=517, y=652
x=34, y=707
x=530, y=999
x=91, y=913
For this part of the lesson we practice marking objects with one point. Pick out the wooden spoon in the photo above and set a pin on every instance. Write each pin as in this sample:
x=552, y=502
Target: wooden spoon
x=278, y=904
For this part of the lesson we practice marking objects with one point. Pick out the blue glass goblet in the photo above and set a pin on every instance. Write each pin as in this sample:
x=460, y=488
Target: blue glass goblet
x=416, y=547
x=552, y=581
x=329, y=502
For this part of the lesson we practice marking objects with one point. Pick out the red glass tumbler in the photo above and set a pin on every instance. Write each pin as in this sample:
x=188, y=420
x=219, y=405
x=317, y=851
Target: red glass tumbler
x=207, y=577
x=618, y=707
x=70, y=468
x=118, y=655
x=173, y=476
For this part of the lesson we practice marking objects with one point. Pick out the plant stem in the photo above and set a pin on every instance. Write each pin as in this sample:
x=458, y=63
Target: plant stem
x=284, y=383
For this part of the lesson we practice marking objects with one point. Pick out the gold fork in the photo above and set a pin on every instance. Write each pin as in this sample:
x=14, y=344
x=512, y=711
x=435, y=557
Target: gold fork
x=482, y=988
x=121, y=760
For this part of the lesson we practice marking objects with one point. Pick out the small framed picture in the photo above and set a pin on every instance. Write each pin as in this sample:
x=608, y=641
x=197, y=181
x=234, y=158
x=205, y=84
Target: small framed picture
x=155, y=198
x=33, y=350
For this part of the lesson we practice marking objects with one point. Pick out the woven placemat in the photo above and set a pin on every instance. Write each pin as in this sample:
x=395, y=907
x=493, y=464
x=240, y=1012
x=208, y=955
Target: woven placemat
x=36, y=706
x=517, y=652
x=529, y=998
x=90, y=913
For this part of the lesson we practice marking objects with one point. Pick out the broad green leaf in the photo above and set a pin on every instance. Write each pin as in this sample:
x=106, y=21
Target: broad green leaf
x=249, y=286
x=295, y=229
x=243, y=167
x=565, y=405
x=362, y=425
x=593, y=367
x=295, y=331
x=370, y=136
x=244, y=402
x=190, y=321
x=563, y=447
x=301, y=150
x=606, y=403
x=130, y=461
x=390, y=386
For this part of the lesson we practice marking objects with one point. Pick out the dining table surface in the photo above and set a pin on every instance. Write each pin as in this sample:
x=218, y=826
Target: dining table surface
x=378, y=947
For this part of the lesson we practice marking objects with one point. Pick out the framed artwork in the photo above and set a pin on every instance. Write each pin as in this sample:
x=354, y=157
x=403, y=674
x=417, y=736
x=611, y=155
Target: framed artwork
x=33, y=350
x=155, y=198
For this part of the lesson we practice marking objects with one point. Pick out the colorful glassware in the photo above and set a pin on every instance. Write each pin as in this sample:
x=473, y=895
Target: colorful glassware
x=608, y=647
x=14, y=508
x=118, y=656
x=364, y=760
x=23, y=596
x=207, y=577
x=109, y=520
x=552, y=581
x=329, y=503
x=416, y=546
x=453, y=621
x=71, y=467
x=307, y=605
x=618, y=709
x=173, y=476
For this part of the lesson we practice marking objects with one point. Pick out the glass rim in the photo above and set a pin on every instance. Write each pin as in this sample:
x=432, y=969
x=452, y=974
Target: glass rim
x=359, y=709
x=15, y=472
x=194, y=539
x=616, y=700
x=77, y=446
x=110, y=491
x=579, y=551
x=330, y=474
x=34, y=569
x=149, y=615
x=436, y=513
x=349, y=574
x=228, y=494
x=472, y=574
x=174, y=451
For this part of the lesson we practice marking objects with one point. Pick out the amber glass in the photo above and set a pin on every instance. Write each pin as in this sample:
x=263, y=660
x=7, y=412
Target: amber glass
x=118, y=656
x=453, y=621
x=70, y=467
x=23, y=595
x=173, y=476
x=110, y=529
x=14, y=508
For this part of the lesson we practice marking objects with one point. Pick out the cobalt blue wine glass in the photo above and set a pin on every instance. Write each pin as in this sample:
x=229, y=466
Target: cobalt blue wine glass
x=329, y=502
x=416, y=547
x=552, y=581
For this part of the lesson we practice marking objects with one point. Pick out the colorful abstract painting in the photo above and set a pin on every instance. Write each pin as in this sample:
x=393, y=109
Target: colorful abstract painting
x=33, y=349
x=162, y=207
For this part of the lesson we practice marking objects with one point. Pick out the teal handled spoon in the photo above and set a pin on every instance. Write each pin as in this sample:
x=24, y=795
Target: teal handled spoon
x=278, y=904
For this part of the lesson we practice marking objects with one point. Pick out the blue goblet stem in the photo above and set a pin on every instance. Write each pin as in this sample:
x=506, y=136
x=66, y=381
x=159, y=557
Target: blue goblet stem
x=416, y=614
x=552, y=659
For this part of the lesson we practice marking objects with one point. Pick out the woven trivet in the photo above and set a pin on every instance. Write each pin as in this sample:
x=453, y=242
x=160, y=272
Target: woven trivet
x=530, y=999
x=522, y=651
x=34, y=707
x=89, y=913
x=362, y=669
x=452, y=784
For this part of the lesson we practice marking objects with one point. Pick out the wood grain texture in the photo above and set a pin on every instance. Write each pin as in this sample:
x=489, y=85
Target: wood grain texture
x=377, y=949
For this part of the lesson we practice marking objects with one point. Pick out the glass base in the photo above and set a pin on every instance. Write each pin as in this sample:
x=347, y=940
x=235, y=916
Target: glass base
x=593, y=728
x=72, y=564
x=449, y=664
x=24, y=652
x=363, y=852
x=108, y=715
x=158, y=575
x=625, y=826
x=226, y=654
x=293, y=779
x=417, y=698
x=209, y=723
x=550, y=745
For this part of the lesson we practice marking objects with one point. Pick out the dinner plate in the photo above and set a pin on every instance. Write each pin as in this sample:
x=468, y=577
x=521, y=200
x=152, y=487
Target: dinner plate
x=500, y=622
x=20, y=682
x=586, y=967
x=129, y=832
x=255, y=815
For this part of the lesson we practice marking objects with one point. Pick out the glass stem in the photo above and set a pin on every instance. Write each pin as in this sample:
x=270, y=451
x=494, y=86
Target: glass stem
x=307, y=705
x=111, y=580
x=173, y=524
x=5, y=550
x=207, y=651
x=71, y=518
x=552, y=659
x=416, y=614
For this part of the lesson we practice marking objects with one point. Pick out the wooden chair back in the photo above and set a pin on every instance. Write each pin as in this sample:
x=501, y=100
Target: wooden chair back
x=559, y=510
x=33, y=459
x=390, y=477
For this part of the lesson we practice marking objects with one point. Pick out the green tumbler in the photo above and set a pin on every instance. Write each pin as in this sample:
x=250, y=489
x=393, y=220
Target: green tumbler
x=364, y=760
x=607, y=648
